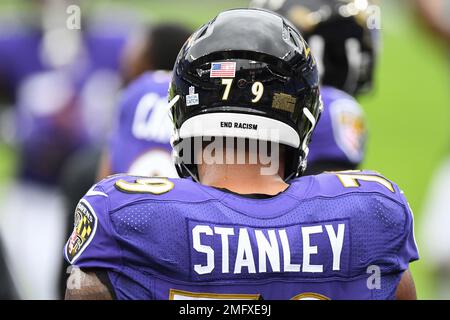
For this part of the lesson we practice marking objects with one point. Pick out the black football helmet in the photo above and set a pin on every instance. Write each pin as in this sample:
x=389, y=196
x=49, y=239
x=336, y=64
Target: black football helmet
x=344, y=44
x=248, y=67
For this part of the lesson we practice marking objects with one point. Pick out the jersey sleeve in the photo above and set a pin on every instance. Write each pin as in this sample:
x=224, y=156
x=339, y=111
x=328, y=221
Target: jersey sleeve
x=408, y=251
x=387, y=222
x=341, y=133
x=92, y=243
x=349, y=129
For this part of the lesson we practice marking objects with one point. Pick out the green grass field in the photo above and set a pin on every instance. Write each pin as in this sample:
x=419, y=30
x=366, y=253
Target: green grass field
x=408, y=114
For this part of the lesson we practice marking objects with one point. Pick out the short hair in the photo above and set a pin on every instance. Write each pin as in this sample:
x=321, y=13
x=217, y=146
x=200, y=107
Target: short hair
x=164, y=42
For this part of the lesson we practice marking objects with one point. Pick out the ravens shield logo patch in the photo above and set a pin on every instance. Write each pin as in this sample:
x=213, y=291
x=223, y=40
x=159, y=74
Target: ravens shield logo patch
x=349, y=129
x=83, y=231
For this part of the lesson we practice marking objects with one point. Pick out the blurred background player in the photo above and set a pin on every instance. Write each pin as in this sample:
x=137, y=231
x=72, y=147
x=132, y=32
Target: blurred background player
x=140, y=139
x=143, y=127
x=436, y=228
x=346, y=51
x=58, y=82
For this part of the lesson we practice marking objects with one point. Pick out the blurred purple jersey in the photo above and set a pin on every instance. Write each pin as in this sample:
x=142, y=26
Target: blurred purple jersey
x=59, y=110
x=140, y=143
x=331, y=236
x=340, y=135
x=19, y=56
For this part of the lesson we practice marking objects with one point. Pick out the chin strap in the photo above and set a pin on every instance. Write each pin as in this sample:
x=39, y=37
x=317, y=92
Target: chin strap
x=194, y=177
x=289, y=177
x=182, y=168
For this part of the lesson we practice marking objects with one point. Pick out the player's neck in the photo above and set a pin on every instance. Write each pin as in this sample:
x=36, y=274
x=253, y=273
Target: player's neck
x=241, y=178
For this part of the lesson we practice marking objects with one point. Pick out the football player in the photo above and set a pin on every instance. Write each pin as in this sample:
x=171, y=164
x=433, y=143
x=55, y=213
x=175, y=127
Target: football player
x=143, y=126
x=241, y=223
x=345, y=50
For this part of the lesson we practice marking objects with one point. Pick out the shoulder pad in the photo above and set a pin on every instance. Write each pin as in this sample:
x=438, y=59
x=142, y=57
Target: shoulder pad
x=343, y=182
x=383, y=223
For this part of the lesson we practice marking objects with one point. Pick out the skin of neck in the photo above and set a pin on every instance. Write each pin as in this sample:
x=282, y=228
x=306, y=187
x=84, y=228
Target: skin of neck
x=243, y=178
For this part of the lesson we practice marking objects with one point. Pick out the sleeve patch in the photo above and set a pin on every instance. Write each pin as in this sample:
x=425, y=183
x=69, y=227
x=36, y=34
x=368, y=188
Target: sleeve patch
x=84, y=229
x=349, y=129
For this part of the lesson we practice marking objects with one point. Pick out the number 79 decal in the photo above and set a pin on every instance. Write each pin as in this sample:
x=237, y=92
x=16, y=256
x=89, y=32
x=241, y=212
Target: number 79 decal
x=257, y=90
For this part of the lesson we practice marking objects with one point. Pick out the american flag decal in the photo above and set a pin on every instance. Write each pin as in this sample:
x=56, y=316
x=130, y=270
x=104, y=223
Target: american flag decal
x=223, y=70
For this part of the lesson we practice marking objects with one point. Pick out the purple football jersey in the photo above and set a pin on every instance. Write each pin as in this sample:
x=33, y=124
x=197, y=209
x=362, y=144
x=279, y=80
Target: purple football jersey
x=140, y=142
x=58, y=110
x=19, y=56
x=344, y=235
x=340, y=135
